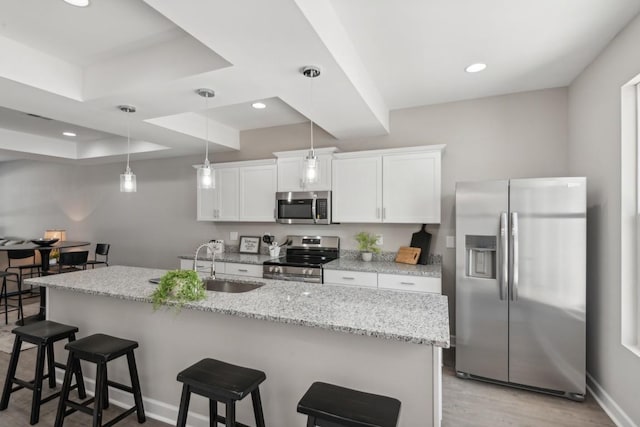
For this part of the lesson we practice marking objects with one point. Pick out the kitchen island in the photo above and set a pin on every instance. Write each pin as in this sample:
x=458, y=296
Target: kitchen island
x=377, y=341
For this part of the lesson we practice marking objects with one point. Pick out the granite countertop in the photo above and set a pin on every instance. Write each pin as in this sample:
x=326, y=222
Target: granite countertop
x=233, y=257
x=389, y=267
x=351, y=264
x=407, y=317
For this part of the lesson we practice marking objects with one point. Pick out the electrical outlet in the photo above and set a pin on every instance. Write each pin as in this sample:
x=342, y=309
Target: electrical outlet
x=233, y=235
x=379, y=239
x=451, y=242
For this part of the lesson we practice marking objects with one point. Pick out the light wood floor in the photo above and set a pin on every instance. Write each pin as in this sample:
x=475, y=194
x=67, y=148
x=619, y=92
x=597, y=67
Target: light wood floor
x=466, y=403
x=471, y=403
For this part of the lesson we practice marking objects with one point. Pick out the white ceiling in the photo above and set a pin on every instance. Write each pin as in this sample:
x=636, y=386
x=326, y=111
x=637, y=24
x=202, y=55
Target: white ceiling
x=75, y=65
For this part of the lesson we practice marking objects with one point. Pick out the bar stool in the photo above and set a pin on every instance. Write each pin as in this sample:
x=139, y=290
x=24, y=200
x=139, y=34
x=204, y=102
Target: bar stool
x=4, y=294
x=100, y=349
x=220, y=382
x=349, y=408
x=43, y=334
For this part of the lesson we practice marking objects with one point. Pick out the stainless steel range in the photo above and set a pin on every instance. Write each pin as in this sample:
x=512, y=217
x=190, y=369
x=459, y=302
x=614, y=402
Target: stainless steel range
x=303, y=260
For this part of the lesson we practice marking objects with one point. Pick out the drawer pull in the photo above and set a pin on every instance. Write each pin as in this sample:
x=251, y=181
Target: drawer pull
x=349, y=278
x=407, y=283
x=244, y=270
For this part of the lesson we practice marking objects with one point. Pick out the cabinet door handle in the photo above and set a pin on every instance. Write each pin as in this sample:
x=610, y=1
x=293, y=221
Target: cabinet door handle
x=407, y=283
x=384, y=213
x=377, y=212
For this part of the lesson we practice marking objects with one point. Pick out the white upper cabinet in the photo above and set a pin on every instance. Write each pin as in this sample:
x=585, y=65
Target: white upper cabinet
x=226, y=208
x=411, y=187
x=258, y=193
x=357, y=189
x=206, y=204
x=393, y=186
x=291, y=167
x=244, y=191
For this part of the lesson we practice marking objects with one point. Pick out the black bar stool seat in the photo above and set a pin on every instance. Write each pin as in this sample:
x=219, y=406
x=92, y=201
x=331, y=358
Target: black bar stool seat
x=346, y=407
x=100, y=349
x=43, y=334
x=221, y=382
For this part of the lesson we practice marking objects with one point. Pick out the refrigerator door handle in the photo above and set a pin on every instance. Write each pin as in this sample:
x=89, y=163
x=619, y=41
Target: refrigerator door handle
x=514, y=257
x=504, y=257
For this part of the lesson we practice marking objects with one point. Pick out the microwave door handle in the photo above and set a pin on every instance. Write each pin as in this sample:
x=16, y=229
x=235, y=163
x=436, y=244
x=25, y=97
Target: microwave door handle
x=313, y=209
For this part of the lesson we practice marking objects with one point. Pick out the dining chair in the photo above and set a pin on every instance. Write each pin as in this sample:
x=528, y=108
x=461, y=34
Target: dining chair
x=72, y=261
x=20, y=256
x=102, y=249
x=23, y=262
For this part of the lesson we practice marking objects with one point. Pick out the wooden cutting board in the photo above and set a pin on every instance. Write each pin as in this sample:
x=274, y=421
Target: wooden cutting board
x=407, y=255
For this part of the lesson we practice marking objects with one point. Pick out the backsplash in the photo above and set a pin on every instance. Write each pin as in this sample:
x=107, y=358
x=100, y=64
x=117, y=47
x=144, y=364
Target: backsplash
x=384, y=256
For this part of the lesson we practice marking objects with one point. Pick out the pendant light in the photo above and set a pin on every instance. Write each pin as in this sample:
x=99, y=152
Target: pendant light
x=128, y=178
x=206, y=178
x=310, y=172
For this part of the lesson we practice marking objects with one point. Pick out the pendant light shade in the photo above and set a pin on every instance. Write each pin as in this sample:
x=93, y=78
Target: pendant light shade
x=206, y=177
x=310, y=172
x=128, y=178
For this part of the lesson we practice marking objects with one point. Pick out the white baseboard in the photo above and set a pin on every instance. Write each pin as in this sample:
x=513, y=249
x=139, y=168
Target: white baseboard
x=615, y=412
x=153, y=408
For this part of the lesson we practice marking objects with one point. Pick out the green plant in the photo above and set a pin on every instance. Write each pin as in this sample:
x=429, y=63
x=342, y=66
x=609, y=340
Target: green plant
x=180, y=287
x=367, y=242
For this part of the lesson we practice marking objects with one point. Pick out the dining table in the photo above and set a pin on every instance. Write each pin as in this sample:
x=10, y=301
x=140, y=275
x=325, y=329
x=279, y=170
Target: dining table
x=45, y=252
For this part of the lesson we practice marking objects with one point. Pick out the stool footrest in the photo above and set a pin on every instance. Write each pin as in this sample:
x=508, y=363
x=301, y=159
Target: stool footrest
x=22, y=384
x=222, y=420
x=120, y=386
x=120, y=417
x=20, y=387
x=82, y=407
x=56, y=394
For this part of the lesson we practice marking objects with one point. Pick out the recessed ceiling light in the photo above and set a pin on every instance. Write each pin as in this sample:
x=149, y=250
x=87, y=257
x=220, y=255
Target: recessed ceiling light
x=259, y=105
x=68, y=134
x=475, y=68
x=79, y=3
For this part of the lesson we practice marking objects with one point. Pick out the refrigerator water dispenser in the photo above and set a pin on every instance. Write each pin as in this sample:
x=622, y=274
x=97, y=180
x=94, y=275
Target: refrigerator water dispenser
x=481, y=256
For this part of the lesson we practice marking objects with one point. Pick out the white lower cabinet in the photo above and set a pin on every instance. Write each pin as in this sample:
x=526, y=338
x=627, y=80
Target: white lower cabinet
x=397, y=282
x=235, y=268
x=351, y=278
x=402, y=282
x=249, y=270
x=204, y=267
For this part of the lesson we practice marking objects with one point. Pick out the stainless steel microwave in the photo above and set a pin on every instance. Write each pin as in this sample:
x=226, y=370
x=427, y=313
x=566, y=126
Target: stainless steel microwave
x=303, y=207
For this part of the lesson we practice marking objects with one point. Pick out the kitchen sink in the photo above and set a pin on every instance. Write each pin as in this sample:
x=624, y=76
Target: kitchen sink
x=230, y=286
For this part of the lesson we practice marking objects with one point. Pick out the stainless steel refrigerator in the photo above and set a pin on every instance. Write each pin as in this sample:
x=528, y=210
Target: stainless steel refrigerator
x=520, y=283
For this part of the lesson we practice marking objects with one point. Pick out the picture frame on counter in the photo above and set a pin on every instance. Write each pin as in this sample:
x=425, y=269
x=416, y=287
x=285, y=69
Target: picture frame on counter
x=249, y=245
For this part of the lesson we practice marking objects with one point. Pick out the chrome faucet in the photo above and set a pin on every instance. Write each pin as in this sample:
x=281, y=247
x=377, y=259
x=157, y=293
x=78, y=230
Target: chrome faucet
x=212, y=274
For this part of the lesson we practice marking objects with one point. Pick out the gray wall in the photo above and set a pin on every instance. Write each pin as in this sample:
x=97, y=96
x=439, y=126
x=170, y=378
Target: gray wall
x=518, y=135
x=595, y=151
